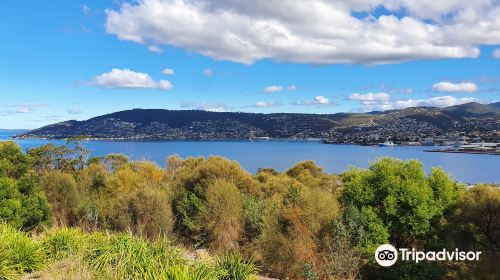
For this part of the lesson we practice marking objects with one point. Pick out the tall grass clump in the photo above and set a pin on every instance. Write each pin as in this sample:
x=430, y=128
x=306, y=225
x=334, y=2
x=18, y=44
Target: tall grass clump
x=61, y=243
x=18, y=253
x=233, y=267
x=132, y=257
x=193, y=272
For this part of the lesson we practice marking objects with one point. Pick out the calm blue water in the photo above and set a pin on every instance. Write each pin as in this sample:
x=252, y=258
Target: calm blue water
x=281, y=155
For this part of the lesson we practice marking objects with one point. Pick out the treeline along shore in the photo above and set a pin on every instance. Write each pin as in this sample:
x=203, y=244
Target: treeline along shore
x=64, y=215
x=471, y=122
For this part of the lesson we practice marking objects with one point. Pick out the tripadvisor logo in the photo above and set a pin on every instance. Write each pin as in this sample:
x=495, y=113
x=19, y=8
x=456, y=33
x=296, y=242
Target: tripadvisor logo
x=387, y=255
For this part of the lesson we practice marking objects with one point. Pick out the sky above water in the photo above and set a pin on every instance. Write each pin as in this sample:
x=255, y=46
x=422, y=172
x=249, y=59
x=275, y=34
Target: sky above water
x=69, y=59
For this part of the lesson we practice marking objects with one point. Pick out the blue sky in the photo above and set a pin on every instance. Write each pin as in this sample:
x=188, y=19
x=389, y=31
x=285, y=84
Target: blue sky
x=57, y=57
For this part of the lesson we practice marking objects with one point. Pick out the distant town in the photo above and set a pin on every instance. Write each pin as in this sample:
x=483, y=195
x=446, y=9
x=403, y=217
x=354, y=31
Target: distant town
x=457, y=126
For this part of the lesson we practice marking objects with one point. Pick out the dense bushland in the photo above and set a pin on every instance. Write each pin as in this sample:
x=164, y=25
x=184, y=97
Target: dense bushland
x=110, y=218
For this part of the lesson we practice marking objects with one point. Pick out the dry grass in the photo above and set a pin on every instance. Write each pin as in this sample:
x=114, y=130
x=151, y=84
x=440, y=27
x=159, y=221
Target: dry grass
x=72, y=268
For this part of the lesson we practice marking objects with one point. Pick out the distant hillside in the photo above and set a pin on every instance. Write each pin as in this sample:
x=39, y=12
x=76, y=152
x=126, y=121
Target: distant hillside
x=496, y=105
x=195, y=124
x=473, y=110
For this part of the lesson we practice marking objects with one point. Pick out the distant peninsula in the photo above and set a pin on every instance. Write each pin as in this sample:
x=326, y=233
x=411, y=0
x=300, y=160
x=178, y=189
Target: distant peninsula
x=404, y=125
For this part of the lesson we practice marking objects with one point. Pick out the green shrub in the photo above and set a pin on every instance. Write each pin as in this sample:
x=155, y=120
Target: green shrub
x=253, y=211
x=133, y=257
x=62, y=192
x=61, y=243
x=13, y=162
x=194, y=272
x=145, y=212
x=233, y=267
x=223, y=215
x=22, y=204
x=189, y=208
x=18, y=253
x=399, y=199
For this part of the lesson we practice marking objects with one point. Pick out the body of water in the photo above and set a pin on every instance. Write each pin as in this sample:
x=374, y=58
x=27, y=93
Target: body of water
x=281, y=154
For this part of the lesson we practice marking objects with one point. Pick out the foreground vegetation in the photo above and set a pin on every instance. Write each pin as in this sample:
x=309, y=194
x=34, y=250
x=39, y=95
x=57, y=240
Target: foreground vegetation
x=64, y=216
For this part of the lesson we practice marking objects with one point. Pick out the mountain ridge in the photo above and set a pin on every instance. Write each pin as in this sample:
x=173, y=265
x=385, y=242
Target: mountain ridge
x=198, y=124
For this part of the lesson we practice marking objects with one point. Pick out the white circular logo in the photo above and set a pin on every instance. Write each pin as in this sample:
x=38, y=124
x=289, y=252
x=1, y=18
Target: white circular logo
x=386, y=255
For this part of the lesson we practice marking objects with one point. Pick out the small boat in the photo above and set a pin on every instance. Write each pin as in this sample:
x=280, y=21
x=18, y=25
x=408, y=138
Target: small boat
x=387, y=144
x=260, y=138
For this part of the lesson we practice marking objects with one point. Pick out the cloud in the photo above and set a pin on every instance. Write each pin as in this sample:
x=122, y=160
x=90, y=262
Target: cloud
x=49, y=118
x=208, y=72
x=205, y=106
x=128, y=79
x=383, y=102
x=85, y=9
x=74, y=111
x=154, y=49
x=455, y=87
x=263, y=104
x=379, y=101
x=390, y=89
x=23, y=108
x=496, y=53
x=321, y=100
x=271, y=89
x=168, y=71
x=439, y=101
x=317, y=101
x=370, y=97
x=312, y=32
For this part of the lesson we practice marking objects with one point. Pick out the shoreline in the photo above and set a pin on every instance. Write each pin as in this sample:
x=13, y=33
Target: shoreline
x=451, y=151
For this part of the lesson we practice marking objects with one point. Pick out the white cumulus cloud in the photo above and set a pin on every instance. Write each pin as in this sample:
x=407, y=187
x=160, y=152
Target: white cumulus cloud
x=168, y=71
x=382, y=101
x=321, y=100
x=439, y=101
x=317, y=101
x=455, y=87
x=24, y=108
x=128, y=79
x=314, y=31
x=263, y=104
x=271, y=89
x=377, y=97
x=205, y=106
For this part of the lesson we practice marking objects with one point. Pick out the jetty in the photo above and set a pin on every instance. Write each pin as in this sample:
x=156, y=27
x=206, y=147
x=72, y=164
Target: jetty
x=474, y=148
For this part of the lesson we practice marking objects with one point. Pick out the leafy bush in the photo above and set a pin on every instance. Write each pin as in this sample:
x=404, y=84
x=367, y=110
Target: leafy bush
x=61, y=243
x=13, y=162
x=193, y=272
x=22, y=204
x=62, y=192
x=132, y=257
x=233, y=267
x=475, y=225
x=398, y=199
x=223, y=215
x=292, y=222
x=253, y=211
x=145, y=212
x=18, y=253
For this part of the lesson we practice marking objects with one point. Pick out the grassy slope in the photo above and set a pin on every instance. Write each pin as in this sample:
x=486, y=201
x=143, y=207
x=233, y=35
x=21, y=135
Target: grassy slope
x=62, y=253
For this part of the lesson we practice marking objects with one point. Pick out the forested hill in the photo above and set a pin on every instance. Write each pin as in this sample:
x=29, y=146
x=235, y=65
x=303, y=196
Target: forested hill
x=195, y=124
